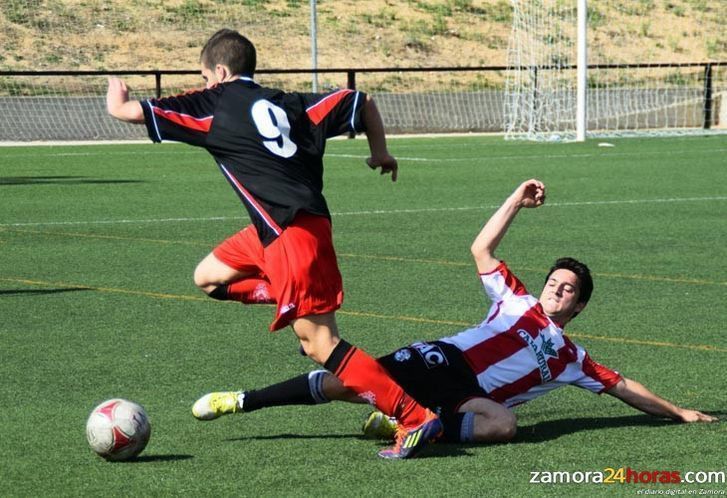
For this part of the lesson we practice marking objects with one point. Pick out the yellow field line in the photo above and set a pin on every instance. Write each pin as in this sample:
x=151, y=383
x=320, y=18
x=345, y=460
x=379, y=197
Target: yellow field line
x=108, y=237
x=361, y=314
x=443, y=262
x=653, y=278
x=366, y=314
x=648, y=278
x=624, y=340
x=112, y=290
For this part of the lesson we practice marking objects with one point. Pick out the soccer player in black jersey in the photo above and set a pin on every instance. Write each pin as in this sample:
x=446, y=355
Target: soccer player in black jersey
x=269, y=146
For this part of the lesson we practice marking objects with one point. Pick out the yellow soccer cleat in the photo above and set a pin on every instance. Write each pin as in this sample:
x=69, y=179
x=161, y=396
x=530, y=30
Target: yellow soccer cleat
x=379, y=426
x=409, y=442
x=214, y=405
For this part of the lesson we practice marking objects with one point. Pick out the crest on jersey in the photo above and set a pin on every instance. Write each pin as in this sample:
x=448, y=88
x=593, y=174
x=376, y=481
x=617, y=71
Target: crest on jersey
x=402, y=355
x=546, y=346
x=543, y=351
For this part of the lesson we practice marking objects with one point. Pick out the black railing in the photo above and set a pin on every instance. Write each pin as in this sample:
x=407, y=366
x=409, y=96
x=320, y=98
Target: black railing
x=352, y=72
x=158, y=73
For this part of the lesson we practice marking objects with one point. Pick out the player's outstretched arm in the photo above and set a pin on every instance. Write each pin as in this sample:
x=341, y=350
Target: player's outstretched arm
x=376, y=135
x=118, y=104
x=635, y=394
x=530, y=194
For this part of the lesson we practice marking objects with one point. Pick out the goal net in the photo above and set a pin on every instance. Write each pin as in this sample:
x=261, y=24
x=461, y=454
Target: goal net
x=642, y=76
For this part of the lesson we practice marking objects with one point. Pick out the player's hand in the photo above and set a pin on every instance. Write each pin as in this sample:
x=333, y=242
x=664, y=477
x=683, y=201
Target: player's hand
x=116, y=95
x=387, y=163
x=530, y=193
x=689, y=416
x=118, y=104
x=117, y=89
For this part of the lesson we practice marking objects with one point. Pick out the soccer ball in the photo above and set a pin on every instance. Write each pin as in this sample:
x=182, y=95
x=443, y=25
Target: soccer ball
x=118, y=429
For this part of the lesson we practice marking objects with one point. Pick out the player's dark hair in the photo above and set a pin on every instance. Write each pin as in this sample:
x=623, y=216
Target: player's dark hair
x=231, y=49
x=585, y=282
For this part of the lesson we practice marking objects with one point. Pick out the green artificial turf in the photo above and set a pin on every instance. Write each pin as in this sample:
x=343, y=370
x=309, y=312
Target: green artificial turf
x=97, y=249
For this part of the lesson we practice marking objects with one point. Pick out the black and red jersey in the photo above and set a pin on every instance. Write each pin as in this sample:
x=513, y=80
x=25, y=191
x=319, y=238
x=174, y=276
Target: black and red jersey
x=269, y=144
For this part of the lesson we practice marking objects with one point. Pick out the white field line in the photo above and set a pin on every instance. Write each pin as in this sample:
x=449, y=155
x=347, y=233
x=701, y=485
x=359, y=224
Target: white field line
x=363, y=158
x=370, y=212
x=342, y=138
x=489, y=157
x=72, y=143
x=186, y=153
x=484, y=157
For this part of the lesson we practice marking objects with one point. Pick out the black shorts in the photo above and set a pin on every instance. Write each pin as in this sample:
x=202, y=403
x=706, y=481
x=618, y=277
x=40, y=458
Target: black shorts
x=435, y=374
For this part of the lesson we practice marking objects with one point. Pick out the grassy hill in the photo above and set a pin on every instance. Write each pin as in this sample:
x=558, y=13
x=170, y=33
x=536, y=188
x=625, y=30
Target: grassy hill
x=151, y=34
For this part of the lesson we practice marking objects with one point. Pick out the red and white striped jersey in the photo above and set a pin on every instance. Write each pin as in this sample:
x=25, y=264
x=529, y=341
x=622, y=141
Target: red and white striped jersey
x=518, y=353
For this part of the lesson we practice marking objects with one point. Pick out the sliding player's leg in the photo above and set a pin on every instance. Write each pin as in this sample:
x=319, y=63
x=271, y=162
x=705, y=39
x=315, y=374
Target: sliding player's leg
x=361, y=373
x=482, y=420
x=355, y=369
x=312, y=388
x=478, y=420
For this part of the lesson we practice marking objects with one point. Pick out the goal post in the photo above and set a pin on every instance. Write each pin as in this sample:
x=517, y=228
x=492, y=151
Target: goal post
x=582, y=69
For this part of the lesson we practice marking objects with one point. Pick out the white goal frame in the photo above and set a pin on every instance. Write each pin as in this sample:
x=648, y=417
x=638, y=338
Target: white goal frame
x=560, y=88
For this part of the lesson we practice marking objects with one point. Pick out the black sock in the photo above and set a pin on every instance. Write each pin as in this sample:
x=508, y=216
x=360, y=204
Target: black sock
x=458, y=427
x=339, y=357
x=219, y=293
x=306, y=389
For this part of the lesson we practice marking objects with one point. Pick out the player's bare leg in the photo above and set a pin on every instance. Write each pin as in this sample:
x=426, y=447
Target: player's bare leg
x=220, y=281
x=362, y=374
x=211, y=273
x=318, y=335
x=493, y=422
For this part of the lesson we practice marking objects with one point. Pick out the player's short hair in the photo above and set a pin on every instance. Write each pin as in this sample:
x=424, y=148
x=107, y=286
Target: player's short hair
x=585, y=282
x=231, y=49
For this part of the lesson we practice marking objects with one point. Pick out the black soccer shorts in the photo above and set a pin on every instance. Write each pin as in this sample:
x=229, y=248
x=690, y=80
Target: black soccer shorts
x=435, y=374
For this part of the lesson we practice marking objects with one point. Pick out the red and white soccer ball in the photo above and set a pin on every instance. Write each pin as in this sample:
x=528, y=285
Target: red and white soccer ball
x=118, y=429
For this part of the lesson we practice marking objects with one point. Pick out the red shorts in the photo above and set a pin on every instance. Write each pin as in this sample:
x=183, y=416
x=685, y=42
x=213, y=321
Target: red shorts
x=300, y=266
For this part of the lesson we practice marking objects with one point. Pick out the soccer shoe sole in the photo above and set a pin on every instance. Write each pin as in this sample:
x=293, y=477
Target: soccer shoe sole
x=414, y=441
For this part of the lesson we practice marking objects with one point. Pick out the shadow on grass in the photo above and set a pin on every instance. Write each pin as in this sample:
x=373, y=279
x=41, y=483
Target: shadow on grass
x=57, y=180
x=38, y=292
x=275, y=437
x=439, y=450
x=553, y=429
x=535, y=433
x=443, y=450
x=156, y=458
x=721, y=415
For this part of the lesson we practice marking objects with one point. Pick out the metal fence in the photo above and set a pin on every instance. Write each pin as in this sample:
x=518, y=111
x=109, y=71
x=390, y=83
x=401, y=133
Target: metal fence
x=70, y=105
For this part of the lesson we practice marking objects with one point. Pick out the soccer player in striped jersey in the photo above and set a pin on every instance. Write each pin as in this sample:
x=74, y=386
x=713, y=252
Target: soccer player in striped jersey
x=269, y=146
x=519, y=352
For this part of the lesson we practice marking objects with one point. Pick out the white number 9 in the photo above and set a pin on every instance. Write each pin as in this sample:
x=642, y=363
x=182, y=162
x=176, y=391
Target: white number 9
x=272, y=123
